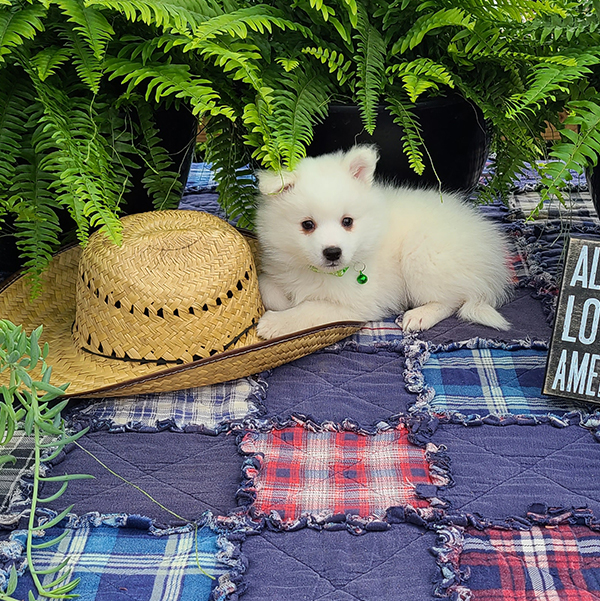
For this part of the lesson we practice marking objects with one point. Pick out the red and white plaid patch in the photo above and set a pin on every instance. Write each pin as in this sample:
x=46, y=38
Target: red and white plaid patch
x=304, y=472
x=542, y=564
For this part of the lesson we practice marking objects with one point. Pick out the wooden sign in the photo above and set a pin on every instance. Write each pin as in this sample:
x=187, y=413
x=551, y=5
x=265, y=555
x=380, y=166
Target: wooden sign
x=573, y=368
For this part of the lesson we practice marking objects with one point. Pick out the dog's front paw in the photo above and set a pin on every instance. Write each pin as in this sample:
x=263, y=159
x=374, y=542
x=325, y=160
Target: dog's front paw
x=424, y=317
x=273, y=324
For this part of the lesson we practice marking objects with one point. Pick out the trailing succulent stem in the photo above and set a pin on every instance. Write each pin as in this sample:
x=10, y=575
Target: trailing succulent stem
x=28, y=401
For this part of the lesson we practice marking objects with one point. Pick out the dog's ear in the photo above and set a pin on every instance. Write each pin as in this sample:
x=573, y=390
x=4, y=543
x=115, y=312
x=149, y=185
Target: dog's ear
x=361, y=161
x=272, y=183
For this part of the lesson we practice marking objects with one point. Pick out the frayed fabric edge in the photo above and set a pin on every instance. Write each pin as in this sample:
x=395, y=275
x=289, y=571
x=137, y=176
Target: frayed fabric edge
x=420, y=429
x=452, y=582
x=78, y=420
x=418, y=352
x=229, y=586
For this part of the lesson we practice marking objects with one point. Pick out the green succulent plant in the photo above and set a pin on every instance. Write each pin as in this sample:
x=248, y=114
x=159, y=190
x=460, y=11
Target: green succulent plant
x=28, y=401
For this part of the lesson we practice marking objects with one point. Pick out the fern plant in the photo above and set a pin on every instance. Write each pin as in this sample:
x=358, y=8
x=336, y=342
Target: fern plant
x=521, y=61
x=81, y=80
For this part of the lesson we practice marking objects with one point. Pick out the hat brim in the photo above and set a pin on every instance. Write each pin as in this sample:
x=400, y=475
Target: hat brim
x=91, y=375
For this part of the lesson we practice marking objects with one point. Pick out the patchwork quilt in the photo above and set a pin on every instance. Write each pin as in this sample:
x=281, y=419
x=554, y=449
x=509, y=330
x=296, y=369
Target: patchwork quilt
x=387, y=466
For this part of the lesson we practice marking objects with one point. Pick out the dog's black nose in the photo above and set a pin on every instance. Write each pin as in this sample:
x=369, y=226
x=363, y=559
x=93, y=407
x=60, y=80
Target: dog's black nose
x=332, y=253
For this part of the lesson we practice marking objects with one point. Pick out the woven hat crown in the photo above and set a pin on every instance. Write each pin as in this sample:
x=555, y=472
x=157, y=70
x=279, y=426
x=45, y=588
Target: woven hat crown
x=181, y=287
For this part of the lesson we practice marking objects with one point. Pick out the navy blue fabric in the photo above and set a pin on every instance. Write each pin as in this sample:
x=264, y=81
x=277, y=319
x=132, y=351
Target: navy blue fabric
x=524, y=312
x=336, y=566
x=500, y=471
x=341, y=385
x=188, y=473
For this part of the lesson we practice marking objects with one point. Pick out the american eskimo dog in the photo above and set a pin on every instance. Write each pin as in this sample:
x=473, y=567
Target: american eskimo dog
x=336, y=246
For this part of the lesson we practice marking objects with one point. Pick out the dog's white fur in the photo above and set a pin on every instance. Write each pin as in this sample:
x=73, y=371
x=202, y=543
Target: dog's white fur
x=426, y=255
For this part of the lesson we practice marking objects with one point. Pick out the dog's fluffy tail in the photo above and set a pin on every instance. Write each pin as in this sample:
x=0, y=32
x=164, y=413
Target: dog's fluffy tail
x=483, y=313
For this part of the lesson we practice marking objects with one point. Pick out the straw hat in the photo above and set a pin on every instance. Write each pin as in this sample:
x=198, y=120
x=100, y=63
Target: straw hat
x=175, y=306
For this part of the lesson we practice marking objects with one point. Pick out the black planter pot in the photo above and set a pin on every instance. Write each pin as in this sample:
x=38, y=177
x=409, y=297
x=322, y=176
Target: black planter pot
x=593, y=179
x=177, y=129
x=453, y=130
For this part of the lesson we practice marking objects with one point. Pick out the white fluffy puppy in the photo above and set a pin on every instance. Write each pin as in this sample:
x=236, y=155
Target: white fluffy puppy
x=338, y=247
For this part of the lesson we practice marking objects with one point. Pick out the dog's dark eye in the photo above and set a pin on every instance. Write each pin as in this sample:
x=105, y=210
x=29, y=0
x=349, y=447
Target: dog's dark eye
x=308, y=225
x=347, y=222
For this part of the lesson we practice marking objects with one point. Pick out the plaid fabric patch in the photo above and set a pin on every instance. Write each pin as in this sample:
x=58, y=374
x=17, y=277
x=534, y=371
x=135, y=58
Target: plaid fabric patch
x=542, y=564
x=127, y=564
x=21, y=448
x=304, y=472
x=578, y=208
x=200, y=177
x=373, y=335
x=491, y=381
x=205, y=407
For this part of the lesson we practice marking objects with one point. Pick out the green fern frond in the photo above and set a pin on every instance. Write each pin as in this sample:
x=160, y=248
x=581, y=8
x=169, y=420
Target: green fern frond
x=370, y=64
x=178, y=16
x=420, y=75
x=298, y=107
x=412, y=141
x=161, y=182
x=324, y=10
x=82, y=163
x=548, y=81
x=288, y=64
x=574, y=151
x=351, y=5
x=238, y=58
x=481, y=39
x=225, y=152
x=335, y=61
x=16, y=101
x=90, y=24
x=17, y=24
x=425, y=24
x=87, y=66
x=49, y=59
x=239, y=23
x=37, y=229
x=162, y=80
x=259, y=135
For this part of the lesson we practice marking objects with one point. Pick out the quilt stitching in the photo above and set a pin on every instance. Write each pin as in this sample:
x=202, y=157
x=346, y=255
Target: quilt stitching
x=307, y=566
x=528, y=468
x=144, y=474
x=304, y=394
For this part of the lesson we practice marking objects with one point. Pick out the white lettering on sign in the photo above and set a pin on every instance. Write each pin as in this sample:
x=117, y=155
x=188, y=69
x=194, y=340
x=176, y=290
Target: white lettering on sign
x=591, y=337
x=584, y=275
x=568, y=317
x=582, y=375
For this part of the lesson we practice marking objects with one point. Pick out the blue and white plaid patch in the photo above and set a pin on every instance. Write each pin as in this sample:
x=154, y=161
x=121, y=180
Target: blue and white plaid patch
x=200, y=177
x=492, y=381
x=119, y=563
x=203, y=408
x=373, y=336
